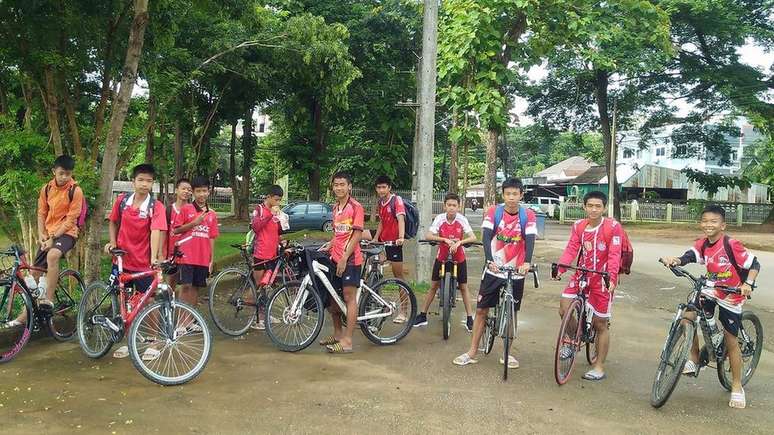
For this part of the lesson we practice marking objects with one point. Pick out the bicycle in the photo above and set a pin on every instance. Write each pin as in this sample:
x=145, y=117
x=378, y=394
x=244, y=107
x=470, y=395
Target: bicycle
x=299, y=307
x=575, y=330
x=373, y=266
x=502, y=320
x=18, y=300
x=234, y=296
x=674, y=354
x=448, y=295
x=108, y=310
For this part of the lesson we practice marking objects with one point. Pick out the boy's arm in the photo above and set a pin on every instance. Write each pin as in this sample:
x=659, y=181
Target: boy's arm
x=184, y=228
x=156, y=252
x=469, y=238
x=72, y=214
x=614, y=256
x=260, y=220
x=401, y=228
x=212, y=257
x=378, y=231
x=113, y=232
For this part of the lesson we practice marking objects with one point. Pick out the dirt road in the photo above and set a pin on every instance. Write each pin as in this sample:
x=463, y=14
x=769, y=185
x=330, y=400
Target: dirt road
x=412, y=387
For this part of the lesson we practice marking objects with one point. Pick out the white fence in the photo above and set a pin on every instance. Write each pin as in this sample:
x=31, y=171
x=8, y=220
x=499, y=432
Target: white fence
x=673, y=212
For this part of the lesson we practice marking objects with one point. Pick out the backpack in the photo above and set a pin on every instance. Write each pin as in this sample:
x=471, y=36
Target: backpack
x=411, y=224
x=742, y=273
x=499, y=217
x=81, y=221
x=627, y=251
x=124, y=202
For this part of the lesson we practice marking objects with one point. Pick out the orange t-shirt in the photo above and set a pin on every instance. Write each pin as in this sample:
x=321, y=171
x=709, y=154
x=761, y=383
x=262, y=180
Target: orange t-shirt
x=58, y=210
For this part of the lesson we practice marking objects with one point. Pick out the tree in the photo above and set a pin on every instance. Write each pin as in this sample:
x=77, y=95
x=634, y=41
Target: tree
x=712, y=183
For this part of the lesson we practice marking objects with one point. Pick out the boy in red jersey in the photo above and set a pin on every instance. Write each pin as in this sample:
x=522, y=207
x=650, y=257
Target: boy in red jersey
x=267, y=228
x=728, y=263
x=183, y=193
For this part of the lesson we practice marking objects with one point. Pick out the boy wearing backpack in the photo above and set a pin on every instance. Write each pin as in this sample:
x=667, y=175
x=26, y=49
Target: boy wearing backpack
x=509, y=233
x=60, y=205
x=183, y=193
x=392, y=227
x=728, y=263
x=267, y=228
x=599, y=241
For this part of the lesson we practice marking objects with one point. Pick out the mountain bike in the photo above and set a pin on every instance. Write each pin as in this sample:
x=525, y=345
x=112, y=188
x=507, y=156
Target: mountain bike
x=235, y=297
x=20, y=315
x=299, y=307
x=679, y=340
x=575, y=330
x=448, y=290
x=501, y=321
x=169, y=341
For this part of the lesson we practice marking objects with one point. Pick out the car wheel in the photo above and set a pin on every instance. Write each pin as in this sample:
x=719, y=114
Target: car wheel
x=327, y=227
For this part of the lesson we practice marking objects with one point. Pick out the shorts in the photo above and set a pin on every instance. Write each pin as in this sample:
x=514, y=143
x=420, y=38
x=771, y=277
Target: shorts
x=194, y=275
x=462, y=272
x=350, y=278
x=729, y=319
x=489, y=293
x=394, y=253
x=601, y=301
x=64, y=243
x=261, y=264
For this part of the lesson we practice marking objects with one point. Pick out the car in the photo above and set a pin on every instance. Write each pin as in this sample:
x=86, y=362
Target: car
x=309, y=215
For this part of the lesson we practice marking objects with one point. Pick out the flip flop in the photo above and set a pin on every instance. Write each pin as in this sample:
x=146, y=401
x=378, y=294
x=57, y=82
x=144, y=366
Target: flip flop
x=690, y=368
x=12, y=324
x=121, y=352
x=329, y=340
x=45, y=304
x=151, y=354
x=337, y=348
x=464, y=360
x=513, y=363
x=738, y=400
x=592, y=375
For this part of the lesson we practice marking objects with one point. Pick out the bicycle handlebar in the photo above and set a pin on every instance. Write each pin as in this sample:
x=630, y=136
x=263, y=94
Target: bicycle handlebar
x=680, y=273
x=436, y=242
x=375, y=243
x=533, y=269
x=555, y=272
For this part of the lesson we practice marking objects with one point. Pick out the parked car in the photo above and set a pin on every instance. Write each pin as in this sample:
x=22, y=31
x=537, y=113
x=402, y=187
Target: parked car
x=546, y=204
x=309, y=216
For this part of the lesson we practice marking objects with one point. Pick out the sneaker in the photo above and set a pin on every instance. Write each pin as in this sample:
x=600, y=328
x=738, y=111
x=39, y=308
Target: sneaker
x=469, y=324
x=258, y=325
x=421, y=320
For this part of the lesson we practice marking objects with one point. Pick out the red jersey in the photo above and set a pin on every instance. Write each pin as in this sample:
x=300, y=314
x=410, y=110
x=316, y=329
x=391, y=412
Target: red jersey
x=197, y=251
x=601, y=249
x=508, y=244
x=267, y=229
x=454, y=230
x=346, y=220
x=135, y=230
x=389, y=211
x=172, y=238
x=721, y=271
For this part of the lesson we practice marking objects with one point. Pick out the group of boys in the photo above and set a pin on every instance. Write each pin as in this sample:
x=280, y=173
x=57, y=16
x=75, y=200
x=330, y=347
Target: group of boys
x=149, y=233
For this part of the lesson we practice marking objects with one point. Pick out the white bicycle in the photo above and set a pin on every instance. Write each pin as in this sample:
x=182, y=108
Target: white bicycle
x=386, y=312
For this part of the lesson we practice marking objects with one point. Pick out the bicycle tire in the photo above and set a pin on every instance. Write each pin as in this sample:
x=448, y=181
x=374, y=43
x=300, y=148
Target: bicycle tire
x=14, y=301
x=751, y=351
x=386, y=289
x=446, y=306
x=180, y=316
x=278, y=307
x=664, y=382
x=63, y=321
x=490, y=331
x=226, y=302
x=591, y=348
x=506, y=336
x=96, y=340
x=563, y=366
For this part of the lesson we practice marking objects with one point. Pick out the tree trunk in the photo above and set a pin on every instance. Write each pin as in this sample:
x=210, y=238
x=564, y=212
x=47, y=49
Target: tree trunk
x=247, y=159
x=118, y=116
x=72, y=121
x=104, y=92
x=179, y=157
x=315, y=176
x=232, y=169
x=465, y=162
x=601, y=83
x=3, y=100
x=52, y=109
x=453, y=162
x=151, y=141
x=490, y=177
x=27, y=93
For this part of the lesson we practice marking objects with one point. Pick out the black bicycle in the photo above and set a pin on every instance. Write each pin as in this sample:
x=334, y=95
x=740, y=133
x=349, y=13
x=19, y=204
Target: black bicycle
x=680, y=339
x=502, y=320
x=448, y=291
x=373, y=266
x=20, y=316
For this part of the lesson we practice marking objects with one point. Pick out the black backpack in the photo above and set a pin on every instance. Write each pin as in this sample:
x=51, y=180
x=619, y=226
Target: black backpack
x=412, y=217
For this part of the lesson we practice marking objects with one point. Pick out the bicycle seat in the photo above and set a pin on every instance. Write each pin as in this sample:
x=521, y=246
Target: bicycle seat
x=117, y=252
x=369, y=252
x=238, y=246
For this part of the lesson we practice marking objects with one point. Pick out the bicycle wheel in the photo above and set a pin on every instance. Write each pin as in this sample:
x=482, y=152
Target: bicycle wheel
x=751, y=344
x=490, y=331
x=446, y=305
x=297, y=327
x=568, y=342
x=99, y=302
x=15, y=305
x=180, y=335
x=391, y=296
x=507, y=318
x=591, y=347
x=67, y=296
x=233, y=302
x=672, y=362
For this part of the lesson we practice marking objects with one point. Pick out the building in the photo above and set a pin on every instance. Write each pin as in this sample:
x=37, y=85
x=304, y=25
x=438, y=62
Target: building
x=565, y=170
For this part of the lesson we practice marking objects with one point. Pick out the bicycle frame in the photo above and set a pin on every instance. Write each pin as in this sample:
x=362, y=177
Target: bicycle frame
x=506, y=298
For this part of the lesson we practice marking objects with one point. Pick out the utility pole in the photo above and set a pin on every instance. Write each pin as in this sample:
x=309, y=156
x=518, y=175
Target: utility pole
x=611, y=173
x=424, y=146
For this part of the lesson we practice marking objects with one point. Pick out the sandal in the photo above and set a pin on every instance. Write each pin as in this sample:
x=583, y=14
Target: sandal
x=513, y=363
x=329, y=340
x=12, y=324
x=593, y=375
x=121, y=352
x=337, y=348
x=151, y=354
x=464, y=360
x=45, y=304
x=690, y=368
x=738, y=400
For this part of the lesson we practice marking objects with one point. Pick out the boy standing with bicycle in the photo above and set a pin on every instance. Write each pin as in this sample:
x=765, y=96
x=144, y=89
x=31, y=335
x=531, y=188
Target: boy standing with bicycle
x=452, y=230
x=267, y=228
x=728, y=263
x=509, y=233
x=183, y=193
x=596, y=242
x=392, y=224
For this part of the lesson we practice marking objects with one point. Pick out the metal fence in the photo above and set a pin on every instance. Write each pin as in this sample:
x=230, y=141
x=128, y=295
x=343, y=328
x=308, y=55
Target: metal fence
x=738, y=213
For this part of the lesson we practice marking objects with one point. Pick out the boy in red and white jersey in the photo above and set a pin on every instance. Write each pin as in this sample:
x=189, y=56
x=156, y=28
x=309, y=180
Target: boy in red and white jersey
x=183, y=193
x=267, y=228
x=730, y=264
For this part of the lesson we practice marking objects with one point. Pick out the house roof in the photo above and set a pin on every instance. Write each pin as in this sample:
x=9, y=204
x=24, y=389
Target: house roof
x=593, y=175
x=571, y=167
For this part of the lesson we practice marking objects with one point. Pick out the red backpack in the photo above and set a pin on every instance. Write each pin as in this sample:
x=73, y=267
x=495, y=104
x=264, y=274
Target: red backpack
x=627, y=251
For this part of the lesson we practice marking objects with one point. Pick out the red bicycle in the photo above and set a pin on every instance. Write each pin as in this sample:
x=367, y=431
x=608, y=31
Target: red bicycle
x=169, y=341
